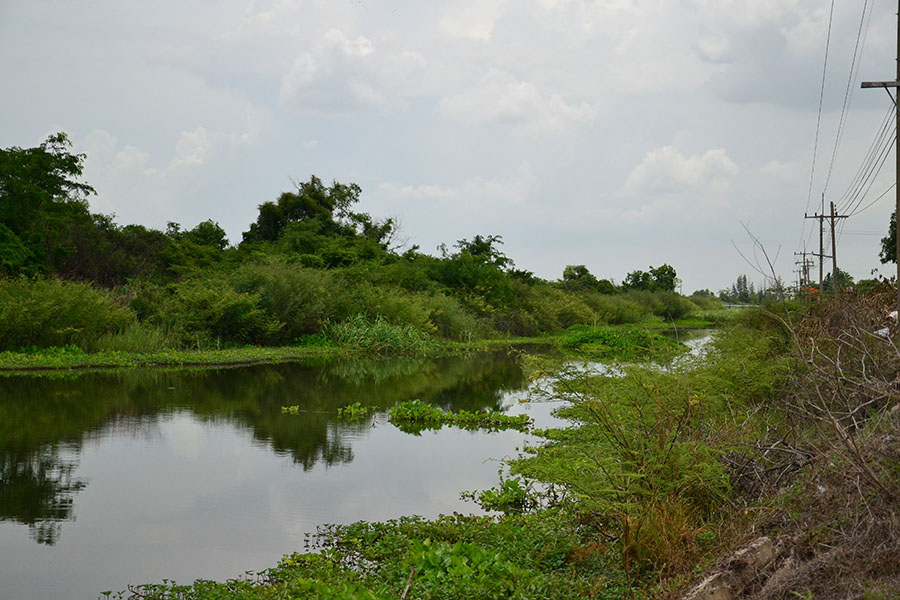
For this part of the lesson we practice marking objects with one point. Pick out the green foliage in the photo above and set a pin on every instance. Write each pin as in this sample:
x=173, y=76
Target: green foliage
x=300, y=298
x=50, y=312
x=843, y=277
x=209, y=312
x=613, y=343
x=469, y=570
x=888, y=251
x=40, y=199
x=513, y=496
x=616, y=310
x=578, y=277
x=662, y=278
x=415, y=415
x=134, y=337
x=377, y=336
x=353, y=412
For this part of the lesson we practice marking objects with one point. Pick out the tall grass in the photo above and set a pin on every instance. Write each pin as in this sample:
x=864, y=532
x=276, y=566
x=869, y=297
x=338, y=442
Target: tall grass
x=377, y=335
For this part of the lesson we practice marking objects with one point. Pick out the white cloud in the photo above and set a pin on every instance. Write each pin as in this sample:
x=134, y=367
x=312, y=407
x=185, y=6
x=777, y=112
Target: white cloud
x=503, y=100
x=192, y=148
x=340, y=74
x=666, y=170
x=473, y=19
x=489, y=194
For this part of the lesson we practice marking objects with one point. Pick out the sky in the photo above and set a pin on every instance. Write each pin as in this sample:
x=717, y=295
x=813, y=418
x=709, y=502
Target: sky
x=618, y=134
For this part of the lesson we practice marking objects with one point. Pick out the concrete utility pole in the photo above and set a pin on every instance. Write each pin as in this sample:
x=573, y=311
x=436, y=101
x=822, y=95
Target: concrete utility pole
x=804, y=264
x=821, y=254
x=834, y=269
x=887, y=85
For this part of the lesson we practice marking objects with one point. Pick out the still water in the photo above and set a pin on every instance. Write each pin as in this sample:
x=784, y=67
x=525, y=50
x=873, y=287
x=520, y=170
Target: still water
x=110, y=479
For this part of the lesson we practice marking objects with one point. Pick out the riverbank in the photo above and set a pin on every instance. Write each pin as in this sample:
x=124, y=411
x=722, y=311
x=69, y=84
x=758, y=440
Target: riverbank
x=72, y=357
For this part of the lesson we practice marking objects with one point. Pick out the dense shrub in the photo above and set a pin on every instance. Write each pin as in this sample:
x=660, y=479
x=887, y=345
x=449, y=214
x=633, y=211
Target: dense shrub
x=298, y=297
x=208, y=312
x=451, y=320
x=675, y=306
x=51, y=312
x=615, y=310
x=395, y=305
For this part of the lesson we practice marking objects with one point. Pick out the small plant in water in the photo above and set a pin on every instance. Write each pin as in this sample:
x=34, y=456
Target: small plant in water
x=291, y=410
x=415, y=415
x=514, y=495
x=353, y=412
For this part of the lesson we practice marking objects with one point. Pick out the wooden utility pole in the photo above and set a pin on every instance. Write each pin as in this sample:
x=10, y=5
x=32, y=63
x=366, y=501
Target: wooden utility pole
x=887, y=85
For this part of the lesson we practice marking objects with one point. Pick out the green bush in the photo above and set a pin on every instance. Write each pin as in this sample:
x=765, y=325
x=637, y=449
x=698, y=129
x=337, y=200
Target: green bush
x=675, y=306
x=651, y=302
x=451, y=320
x=50, y=312
x=615, y=310
x=300, y=298
x=395, y=305
x=208, y=312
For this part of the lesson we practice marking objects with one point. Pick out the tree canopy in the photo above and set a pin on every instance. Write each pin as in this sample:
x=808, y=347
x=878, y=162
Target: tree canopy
x=662, y=278
x=41, y=199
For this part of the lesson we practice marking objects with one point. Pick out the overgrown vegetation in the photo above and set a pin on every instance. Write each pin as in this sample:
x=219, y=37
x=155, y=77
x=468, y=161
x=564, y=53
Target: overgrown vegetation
x=310, y=265
x=619, y=344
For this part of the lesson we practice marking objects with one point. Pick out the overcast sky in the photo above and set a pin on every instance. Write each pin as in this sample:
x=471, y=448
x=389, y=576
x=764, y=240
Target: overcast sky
x=618, y=134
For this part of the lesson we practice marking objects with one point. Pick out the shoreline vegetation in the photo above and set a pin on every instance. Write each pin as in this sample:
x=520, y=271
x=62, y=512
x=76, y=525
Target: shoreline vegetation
x=784, y=435
x=573, y=342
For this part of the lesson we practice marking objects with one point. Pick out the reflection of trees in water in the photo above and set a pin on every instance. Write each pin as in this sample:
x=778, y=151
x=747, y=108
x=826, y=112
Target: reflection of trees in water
x=38, y=490
x=37, y=415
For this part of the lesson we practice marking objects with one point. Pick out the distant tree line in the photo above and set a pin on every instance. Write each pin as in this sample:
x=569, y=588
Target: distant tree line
x=310, y=258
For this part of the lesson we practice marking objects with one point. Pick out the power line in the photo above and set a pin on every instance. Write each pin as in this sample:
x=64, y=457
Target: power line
x=872, y=203
x=873, y=173
x=848, y=94
x=819, y=116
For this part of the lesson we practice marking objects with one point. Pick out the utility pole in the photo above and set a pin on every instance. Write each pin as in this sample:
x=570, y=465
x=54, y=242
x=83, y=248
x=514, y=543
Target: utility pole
x=804, y=264
x=821, y=254
x=834, y=268
x=887, y=85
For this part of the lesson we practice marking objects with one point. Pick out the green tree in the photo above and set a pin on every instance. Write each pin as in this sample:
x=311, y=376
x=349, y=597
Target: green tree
x=578, y=277
x=41, y=198
x=889, y=242
x=638, y=280
x=478, y=268
x=843, y=277
x=662, y=278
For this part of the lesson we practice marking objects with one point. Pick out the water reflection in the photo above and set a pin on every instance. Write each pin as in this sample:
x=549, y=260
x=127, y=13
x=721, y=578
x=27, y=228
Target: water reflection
x=45, y=422
x=37, y=489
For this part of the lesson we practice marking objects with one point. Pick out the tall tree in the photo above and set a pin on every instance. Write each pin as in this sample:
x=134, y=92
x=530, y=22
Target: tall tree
x=41, y=198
